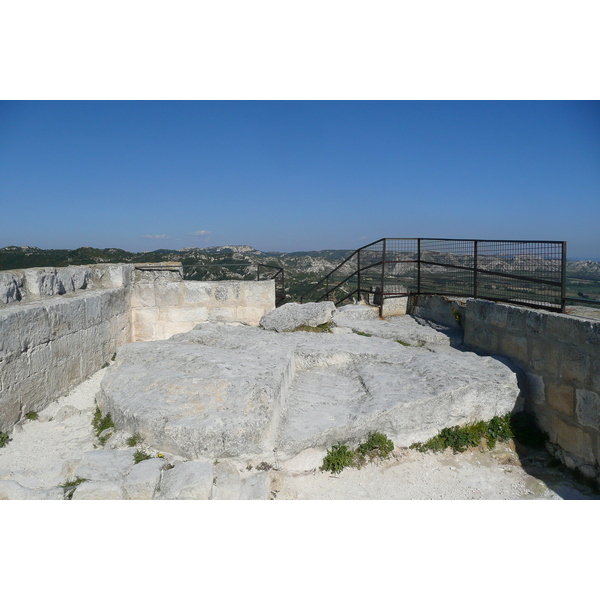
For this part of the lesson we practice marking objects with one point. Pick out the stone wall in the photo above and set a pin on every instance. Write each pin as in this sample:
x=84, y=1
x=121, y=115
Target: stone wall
x=59, y=326
x=162, y=304
x=52, y=339
x=560, y=355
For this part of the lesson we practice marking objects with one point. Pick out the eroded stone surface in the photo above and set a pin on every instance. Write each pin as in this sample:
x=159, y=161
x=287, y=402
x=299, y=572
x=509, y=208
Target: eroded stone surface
x=222, y=391
x=292, y=315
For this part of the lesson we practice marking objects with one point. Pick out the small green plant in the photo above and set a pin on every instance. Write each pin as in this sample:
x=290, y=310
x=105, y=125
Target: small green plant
x=105, y=365
x=457, y=317
x=70, y=486
x=403, y=343
x=361, y=333
x=377, y=445
x=72, y=482
x=113, y=357
x=338, y=458
x=32, y=416
x=4, y=439
x=325, y=328
x=100, y=423
x=134, y=440
x=139, y=456
x=460, y=438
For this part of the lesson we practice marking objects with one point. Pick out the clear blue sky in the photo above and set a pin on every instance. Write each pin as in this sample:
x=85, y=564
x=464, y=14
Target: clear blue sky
x=291, y=176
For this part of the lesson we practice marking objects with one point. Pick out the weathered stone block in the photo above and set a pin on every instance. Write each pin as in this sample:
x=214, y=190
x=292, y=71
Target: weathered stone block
x=11, y=490
x=65, y=315
x=10, y=408
x=169, y=293
x=11, y=284
x=93, y=309
x=562, y=398
x=535, y=383
x=191, y=480
x=497, y=315
x=573, y=439
x=258, y=294
x=143, y=295
x=9, y=331
x=195, y=292
x=227, y=291
x=515, y=347
x=113, y=303
x=290, y=316
x=588, y=408
x=99, y=490
x=574, y=364
x=227, y=482
x=566, y=328
x=535, y=322
x=34, y=328
x=143, y=479
x=256, y=487
x=250, y=315
x=223, y=314
x=515, y=319
x=544, y=355
x=104, y=465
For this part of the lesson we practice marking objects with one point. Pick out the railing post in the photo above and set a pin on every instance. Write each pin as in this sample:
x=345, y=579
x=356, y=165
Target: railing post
x=475, y=269
x=563, y=279
x=358, y=275
x=418, y=266
x=382, y=280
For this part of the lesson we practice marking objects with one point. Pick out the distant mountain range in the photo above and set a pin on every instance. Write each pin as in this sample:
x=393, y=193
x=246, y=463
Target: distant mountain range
x=302, y=269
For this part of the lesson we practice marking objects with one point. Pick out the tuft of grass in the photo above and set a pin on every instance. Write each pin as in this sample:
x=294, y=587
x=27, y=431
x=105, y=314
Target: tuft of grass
x=361, y=333
x=100, y=423
x=70, y=487
x=134, y=440
x=325, y=328
x=113, y=357
x=72, y=482
x=32, y=416
x=340, y=456
x=498, y=429
x=4, y=439
x=403, y=343
x=104, y=365
x=139, y=456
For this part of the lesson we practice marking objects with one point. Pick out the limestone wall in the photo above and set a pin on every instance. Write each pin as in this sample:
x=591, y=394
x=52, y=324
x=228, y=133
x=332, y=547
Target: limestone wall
x=560, y=355
x=162, y=304
x=52, y=339
x=59, y=326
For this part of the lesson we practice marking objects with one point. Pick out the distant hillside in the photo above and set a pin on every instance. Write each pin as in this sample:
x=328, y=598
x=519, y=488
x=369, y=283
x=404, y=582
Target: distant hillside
x=302, y=269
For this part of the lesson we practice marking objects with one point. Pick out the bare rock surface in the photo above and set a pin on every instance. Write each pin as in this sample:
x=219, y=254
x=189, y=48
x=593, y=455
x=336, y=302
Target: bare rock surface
x=221, y=391
x=406, y=329
x=45, y=453
x=292, y=315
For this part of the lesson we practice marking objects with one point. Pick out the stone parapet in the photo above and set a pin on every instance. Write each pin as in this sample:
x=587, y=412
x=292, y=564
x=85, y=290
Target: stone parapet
x=560, y=356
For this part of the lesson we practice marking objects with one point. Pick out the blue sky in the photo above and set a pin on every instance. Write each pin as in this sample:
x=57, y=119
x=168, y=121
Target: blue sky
x=305, y=175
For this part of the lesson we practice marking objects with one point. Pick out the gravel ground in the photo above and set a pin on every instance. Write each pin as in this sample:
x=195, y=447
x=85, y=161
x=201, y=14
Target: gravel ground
x=44, y=453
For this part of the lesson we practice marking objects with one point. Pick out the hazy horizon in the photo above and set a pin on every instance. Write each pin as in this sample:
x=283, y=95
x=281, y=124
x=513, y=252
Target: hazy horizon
x=291, y=175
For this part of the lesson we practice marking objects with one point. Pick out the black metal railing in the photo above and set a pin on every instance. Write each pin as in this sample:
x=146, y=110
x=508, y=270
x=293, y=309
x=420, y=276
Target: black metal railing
x=530, y=273
x=241, y=271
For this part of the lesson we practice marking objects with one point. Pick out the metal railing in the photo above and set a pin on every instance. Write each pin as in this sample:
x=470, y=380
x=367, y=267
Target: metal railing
x=245, y=271
x=530, y=273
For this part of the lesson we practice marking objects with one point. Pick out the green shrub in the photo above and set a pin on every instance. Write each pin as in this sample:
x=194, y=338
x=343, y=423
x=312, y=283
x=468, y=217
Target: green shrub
x=497, y=429
x=134, y=440
x=100, y=423
x=4, y=439
x=140, y=455
x=32, y=416
x=361, y=333
x=338, y=458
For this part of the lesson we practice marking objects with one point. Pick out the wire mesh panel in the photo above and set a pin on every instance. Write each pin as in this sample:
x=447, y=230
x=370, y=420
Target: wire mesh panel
x=447, y=267
x=520, y=272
